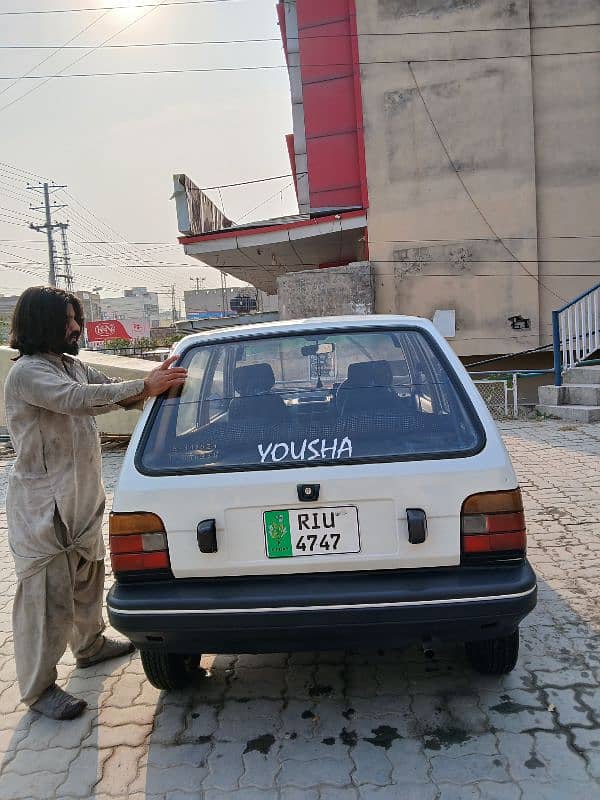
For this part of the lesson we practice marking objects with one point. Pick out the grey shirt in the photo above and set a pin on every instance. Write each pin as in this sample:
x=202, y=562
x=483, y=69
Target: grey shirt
x=51, y=401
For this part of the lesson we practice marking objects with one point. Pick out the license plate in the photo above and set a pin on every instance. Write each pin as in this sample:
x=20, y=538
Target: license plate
x=312, y=532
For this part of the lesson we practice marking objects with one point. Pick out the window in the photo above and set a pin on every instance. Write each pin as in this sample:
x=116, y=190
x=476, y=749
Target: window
x=319, y=399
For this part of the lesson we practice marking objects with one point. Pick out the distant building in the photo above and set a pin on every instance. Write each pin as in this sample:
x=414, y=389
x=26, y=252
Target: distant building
x=92, y=305
x=136, y=304
x=7, y=305
x=224, y=302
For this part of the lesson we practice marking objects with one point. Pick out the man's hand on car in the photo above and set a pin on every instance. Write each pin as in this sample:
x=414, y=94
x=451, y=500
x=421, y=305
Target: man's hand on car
x=164, y=378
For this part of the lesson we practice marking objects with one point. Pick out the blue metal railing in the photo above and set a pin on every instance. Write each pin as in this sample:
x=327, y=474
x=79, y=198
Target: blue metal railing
x=576, y=331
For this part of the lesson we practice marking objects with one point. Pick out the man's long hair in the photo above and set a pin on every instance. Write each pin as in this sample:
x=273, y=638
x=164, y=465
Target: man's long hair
x=40, y=319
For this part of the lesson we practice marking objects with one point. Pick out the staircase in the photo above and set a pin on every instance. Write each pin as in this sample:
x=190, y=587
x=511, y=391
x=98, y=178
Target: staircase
x=577, y=400
x=576, y=340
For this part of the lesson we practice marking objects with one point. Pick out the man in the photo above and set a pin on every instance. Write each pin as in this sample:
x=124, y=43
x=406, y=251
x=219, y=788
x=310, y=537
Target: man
x=55, y=499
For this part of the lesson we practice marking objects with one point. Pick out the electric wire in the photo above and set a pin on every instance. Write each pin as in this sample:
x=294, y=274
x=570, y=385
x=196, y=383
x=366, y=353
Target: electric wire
x=277, y=39
x=54, y=52
x=270, y=67
x=129, y=7
x=59, y=74
x=264, y=202
x=95, y=229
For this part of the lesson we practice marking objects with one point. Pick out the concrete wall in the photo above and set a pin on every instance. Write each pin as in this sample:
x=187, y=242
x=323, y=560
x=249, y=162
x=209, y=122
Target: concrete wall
x=115, y=422
x=479, y=152
x=211, y=300
x=326, y=292
x=567, y=145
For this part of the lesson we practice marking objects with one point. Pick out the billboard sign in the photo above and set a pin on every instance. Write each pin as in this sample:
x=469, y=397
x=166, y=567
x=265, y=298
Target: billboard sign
x=106, y=329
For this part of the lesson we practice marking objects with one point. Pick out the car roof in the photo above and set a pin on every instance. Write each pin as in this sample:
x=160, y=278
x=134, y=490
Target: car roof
x=299, y=326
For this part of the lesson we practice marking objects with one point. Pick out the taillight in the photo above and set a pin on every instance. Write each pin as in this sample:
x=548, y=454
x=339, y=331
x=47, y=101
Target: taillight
x=493, y=526
x=138, y=542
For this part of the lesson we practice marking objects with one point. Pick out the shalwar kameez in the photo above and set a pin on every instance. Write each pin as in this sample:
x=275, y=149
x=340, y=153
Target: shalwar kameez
x=54, y=505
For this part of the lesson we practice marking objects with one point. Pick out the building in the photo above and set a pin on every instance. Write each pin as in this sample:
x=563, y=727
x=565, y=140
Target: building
x=7, y=306
x=136, y=304
x=230, y=300
x=446, y=159
x=92, y=305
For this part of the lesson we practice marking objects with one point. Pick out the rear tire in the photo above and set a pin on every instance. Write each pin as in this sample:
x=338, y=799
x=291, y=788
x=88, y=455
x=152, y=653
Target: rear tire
x=168, y=671
x=494, y=656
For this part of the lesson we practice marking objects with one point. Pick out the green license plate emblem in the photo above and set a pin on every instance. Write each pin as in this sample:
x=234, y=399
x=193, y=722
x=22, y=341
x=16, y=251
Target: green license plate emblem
x=279, y=537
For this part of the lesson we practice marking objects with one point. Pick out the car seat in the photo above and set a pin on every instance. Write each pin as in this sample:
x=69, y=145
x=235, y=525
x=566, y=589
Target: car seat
x=256, y=402
x=368, y=388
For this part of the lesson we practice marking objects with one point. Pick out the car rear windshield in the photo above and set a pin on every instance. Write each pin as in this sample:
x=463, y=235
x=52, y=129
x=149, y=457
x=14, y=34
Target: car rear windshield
x=329, y=398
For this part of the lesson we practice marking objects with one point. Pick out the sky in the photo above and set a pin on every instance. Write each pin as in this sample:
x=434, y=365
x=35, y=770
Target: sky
x=116, y=141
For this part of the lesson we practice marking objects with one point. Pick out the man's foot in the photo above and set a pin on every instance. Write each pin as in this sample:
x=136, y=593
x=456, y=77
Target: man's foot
x=110, y=649
x=58, y=704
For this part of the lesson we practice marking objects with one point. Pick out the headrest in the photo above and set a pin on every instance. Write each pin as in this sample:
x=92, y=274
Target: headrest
x=253, y=379
x=370, y=373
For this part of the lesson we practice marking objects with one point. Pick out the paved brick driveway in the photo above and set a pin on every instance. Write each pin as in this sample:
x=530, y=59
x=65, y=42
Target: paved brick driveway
x=384, y=724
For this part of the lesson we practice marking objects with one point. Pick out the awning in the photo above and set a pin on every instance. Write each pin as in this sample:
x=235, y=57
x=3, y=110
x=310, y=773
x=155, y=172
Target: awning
x=261, y=253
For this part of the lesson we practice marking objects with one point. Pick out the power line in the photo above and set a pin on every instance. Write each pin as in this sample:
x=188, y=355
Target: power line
x=264, y=202
x=55, y=51
x=59, y=74
x=13, y=212
x=248, y=183
x=270, y=67
x=377, y=241
x=112, y=8
x=277, y=39
x=508, y=355
x=13, y=168
x=99, y=225
x=95, y=231
x=342, y=274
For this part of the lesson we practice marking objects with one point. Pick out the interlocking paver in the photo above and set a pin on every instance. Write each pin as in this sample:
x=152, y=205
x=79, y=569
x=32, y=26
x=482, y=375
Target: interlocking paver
x=407, y=791
x=34, y=784
x=469, y=768
x=260, y=769
x=84, y=772
x=225, y=766
x=308, y=773
x=119, y=771
x=291, y=793
x=489, y=790
x=350, y=725
x=371, y=765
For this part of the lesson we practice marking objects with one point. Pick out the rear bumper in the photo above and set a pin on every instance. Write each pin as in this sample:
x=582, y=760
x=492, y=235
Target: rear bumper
x=323, y=611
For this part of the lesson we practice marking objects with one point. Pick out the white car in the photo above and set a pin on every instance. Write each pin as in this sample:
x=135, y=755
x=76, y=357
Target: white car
x=318, y=484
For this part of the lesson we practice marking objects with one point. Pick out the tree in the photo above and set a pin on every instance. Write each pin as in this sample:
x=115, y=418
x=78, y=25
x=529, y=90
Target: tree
x=171, y=340
x=4, y=330
x=118, y=344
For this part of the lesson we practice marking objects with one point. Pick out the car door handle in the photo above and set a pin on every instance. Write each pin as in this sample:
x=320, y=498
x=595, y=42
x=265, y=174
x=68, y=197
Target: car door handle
x=206, y=534
x=417, y=525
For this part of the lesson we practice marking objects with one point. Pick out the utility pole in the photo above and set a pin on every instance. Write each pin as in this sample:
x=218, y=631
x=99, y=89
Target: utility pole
x=66, y=274
x=173, y=309
x=197, y=281
x=223, y=292
x=49, y=226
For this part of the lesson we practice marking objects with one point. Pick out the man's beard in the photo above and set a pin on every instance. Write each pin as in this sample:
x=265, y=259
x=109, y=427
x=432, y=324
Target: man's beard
x=71, y=346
